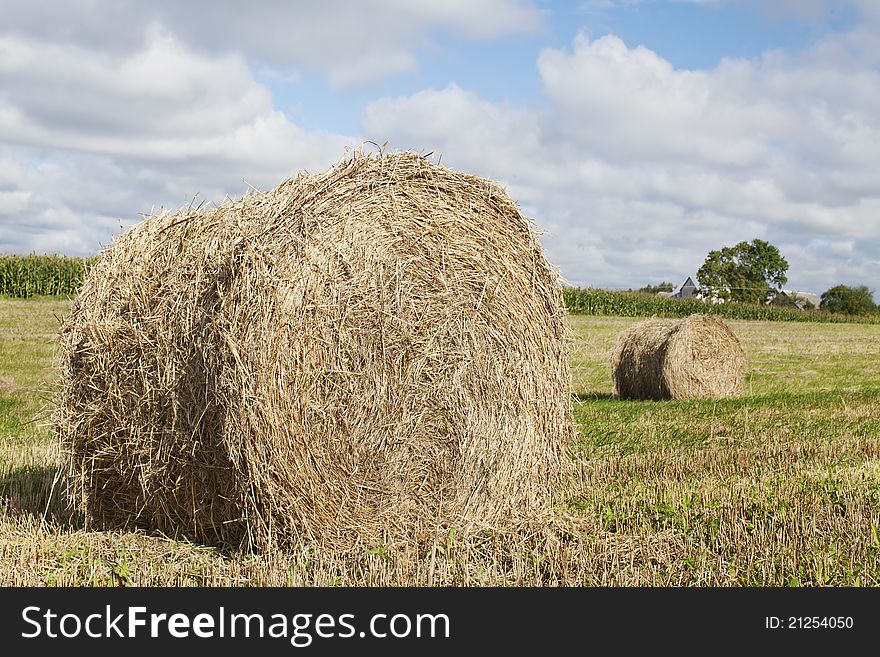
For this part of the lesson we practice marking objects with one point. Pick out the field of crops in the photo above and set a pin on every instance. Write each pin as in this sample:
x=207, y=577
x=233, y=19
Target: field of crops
x=41, y=275
x=52, y=275
x=588, y=301
x=780, y=487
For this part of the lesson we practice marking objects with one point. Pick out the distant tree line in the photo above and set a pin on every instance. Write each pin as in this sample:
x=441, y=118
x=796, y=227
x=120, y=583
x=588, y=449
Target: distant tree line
x=654, y=289
x=754, y=272
x=850, y=300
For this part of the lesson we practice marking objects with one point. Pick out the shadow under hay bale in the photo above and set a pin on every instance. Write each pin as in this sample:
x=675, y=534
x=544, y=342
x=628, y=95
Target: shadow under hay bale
x=694, y=358
x=364, y=353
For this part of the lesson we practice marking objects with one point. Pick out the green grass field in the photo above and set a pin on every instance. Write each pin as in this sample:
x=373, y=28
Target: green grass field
x=780, y=487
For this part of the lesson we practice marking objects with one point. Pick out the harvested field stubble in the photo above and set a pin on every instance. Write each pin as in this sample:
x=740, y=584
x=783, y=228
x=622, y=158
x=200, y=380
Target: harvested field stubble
x=780, y=487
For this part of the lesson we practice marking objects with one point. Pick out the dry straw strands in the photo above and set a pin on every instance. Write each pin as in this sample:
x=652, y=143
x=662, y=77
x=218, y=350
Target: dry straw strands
x=368, y=352
x=694, y=358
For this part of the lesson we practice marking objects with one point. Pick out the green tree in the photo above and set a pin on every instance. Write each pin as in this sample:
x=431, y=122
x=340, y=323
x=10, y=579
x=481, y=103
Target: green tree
x=849, y=300
x=654, y=289
x=750, y=272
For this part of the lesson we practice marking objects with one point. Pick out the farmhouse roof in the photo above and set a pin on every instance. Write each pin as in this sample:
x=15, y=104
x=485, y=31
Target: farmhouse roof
x=812, y=297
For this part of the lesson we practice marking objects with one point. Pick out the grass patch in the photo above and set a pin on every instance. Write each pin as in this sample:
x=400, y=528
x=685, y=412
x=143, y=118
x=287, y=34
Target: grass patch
x=780, y=487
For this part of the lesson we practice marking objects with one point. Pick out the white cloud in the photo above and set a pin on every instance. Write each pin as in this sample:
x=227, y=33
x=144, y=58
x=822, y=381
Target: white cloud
x=72, y=97
x=349, y=40
x=637, y=169
x=93, y=139
x=633, y=167
x=111, y=109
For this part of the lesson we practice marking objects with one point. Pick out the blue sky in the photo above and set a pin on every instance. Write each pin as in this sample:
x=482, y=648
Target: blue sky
x=637, y=134
x=690, y=35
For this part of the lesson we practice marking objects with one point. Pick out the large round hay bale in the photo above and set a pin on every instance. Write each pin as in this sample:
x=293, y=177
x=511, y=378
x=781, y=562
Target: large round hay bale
x=368, y=351
x=694, y=358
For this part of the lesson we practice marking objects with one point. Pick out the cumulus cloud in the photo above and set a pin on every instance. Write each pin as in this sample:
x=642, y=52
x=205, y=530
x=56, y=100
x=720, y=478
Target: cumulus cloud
x=636, y=169
x=348, y=40
x=72, y=97
x=93, y=138
x=111, y=109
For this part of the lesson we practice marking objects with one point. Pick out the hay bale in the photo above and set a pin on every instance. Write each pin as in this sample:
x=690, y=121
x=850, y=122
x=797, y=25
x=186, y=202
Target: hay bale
x=361, y=353
x=694, y=358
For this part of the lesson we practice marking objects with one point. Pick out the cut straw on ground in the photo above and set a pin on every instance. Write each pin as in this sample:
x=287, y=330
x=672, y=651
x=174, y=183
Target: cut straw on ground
x=694, y=358
x=361, y=355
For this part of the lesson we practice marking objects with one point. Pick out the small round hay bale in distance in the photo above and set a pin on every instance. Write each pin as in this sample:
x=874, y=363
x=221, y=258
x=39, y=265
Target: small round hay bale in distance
x=357, y=354
x=694, y=358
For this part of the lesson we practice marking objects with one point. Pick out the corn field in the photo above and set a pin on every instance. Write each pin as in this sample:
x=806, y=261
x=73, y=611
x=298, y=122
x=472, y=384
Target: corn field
x=41, y=275
x=55, y=275
x=589, y=301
